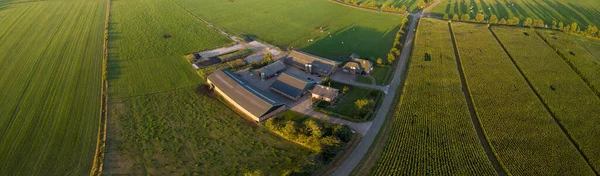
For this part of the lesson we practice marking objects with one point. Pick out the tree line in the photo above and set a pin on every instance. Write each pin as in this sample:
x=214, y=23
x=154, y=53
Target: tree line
x=574, y=28
x=385, y=6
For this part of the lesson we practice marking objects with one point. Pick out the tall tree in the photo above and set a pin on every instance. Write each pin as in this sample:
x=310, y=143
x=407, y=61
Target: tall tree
x=479, y=18
x=561, y=26
x=574, y=27
x=493, y=19
x=465, y=17
x=403, y=8
x=446, y=16
x=502, y=21
x=527, y=22
x=455, y=17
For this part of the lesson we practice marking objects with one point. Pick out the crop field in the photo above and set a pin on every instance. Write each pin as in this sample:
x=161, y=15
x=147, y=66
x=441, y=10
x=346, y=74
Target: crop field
x=297, y=25
x=582, y=61
x=563, y=91
x=160, y=122
x=51, y=60
x=435, y=136
x=522, y=133
x=581, y=11
x=591, y=45
x=141, y=59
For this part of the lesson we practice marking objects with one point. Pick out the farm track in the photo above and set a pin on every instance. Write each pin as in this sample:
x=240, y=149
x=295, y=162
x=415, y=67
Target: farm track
x=476, y=123
x=560, y=125
x=101, y=144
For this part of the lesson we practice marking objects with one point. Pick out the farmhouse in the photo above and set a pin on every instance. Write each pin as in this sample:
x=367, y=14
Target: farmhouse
x=324, y=93
x=358, y=66
x=250, y=100
x=312, y=64
x=271, y=70
x=292, y=86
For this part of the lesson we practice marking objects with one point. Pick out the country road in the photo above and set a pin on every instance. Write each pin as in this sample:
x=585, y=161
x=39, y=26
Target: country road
x=359, y=152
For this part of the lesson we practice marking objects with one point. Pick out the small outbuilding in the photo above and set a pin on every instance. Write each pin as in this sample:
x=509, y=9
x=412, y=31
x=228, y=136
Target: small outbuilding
x=271, y=70
x=358, y=66
x=324, y=93
x=311, y=64
x=292, y=86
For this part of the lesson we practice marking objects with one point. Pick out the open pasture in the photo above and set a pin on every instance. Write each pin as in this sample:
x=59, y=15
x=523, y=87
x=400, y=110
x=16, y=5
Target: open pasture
x=522, y=133
x=51, y=60
x=584, y=12
x=432, y=132
x=561, y=89
x=319, y=27
x=591, y=45
x=147, y=44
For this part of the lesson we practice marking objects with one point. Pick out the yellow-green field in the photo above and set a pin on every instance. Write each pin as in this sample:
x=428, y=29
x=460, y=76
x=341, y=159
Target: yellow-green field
x=50, y=86
x=435, y=136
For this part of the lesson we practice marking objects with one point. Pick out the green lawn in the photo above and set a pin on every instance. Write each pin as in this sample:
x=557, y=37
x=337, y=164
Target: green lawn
x=345, y=103
x=381, y=74
x=51, y=60
x=158, y=123
x=566, y=94
x=432, y=131
x=583, y=12
x=522, y=133
x=292, y=24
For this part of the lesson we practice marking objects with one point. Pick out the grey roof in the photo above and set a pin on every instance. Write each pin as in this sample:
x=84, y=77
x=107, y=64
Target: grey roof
x=359, y=64
x=272, y=68
x=292, y=86
x=319, y=64
x=252, y=99
x=325, y=91
x=354, y=56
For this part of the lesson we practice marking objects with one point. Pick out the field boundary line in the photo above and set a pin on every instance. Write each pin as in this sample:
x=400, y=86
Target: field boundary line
x=560, y=125
x=483, y=139
x=221, y=31
x=101, y=141
x=587, y=82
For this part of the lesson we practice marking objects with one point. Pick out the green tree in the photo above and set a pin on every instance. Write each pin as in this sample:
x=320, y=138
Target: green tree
x=289, y=129
x=379, y=61
x=254, y=173
x=343, y=132
x=553, y=24
x=591, y=30
x=361, y=104
x=479, y=18
x=387, y=7
x=573, y=27
x=561, y=26
x=493, y=19
x=465, y=17
x=421, y=4
x=391, y=58
x=446, y=16
x=345, y=89
x=455, y=17
x=395, y=51
x=403, y=9
x=316, y=129
x=502, y=21
x=527, y=22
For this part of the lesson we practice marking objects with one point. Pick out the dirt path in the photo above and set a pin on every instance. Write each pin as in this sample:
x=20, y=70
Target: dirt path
x=359, y=152
x=478, y=129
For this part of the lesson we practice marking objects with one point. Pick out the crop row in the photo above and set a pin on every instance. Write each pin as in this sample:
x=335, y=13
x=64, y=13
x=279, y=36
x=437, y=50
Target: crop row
x=432, y=133
x=520, y=130
x=560, y=88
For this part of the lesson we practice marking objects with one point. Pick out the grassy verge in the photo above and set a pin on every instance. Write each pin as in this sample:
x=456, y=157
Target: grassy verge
x=345, y=105
x=363, y=79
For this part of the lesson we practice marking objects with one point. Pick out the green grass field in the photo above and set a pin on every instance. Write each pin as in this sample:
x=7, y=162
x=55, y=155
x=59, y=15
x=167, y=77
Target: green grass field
x=432, y=132
x=363, y=79
x=381, y=74
x=50, y=86
x=158, y=123
x=581, y=11
x=292, y=24
x=141, y=60
x=410, y=4
x=522, y=133
x=565, y=93
x=345, y=103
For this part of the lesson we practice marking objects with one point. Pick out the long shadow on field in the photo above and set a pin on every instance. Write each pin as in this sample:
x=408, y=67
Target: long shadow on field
x=501, y=11
x=563, y=10
x=588, y=12
x=113, y=62
x=366, y=42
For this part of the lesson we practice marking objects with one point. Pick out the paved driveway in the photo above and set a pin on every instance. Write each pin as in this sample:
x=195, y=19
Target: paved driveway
x=350, y=79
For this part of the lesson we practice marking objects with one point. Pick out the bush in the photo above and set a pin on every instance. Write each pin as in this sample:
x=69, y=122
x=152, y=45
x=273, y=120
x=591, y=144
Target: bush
x=323, y=104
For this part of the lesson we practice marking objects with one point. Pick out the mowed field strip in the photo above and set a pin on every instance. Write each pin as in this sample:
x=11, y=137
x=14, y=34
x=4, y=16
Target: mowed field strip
x=432, y=132
x=584, y=12
x=50, y=86
x=522, y=133
x=305, y=25
x=572, y=102
x=160, y=122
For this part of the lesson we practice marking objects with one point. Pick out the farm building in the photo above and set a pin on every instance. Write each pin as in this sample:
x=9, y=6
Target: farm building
x=324, y=93
x=358, y=66
x=312, y=64
x=354, y=56
x=292, y=86
x=252, y=101
x=271, y=70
